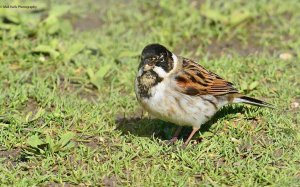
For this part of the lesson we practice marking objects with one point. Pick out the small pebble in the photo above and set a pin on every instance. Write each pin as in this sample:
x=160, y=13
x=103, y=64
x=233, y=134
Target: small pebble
x=286, y=56
x=295, y=105
x=101, y=139
x=42, y=59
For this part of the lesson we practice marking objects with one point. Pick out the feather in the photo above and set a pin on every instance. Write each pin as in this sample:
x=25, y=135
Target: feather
x=252, y=101
x=193, y=79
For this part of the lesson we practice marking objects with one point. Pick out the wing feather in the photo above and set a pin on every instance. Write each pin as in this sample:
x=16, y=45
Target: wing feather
x=193, y=79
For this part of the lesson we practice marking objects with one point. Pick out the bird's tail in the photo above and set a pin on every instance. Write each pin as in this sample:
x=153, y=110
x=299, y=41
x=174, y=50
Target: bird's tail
x=252, y=101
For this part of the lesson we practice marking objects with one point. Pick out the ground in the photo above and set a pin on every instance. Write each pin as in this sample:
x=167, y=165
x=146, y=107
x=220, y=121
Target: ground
x=69, y=115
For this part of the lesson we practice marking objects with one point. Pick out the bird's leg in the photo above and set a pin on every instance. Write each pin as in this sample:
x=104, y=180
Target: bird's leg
x=175, y=137
x=190, y=137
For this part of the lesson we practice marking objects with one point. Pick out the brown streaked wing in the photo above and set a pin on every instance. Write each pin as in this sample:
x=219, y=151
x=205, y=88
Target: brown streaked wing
x=194, y=79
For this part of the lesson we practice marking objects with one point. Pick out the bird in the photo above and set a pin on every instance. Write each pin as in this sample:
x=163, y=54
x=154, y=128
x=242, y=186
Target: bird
x=179, y=90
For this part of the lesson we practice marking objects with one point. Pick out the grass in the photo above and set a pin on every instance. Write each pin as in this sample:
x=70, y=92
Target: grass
x=68, y=112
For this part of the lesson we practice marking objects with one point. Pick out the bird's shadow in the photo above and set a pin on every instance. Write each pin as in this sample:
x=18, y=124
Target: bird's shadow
x=150, y=127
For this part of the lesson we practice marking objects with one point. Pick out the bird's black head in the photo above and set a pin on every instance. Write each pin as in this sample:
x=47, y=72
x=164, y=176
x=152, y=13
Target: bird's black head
x=156, y=55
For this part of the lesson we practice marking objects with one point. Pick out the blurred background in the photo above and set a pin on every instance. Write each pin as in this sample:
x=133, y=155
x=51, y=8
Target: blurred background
x=83, y=35
x=67, y=102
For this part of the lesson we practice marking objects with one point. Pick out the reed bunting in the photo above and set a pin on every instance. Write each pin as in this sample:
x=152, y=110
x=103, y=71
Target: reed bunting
x=179, y=90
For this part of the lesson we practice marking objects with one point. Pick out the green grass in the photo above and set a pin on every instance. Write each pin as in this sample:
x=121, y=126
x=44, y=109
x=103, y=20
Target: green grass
x=68, y=113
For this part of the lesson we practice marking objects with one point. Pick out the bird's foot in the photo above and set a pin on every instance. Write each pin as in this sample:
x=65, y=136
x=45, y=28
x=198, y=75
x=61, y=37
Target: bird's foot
x=172, y=141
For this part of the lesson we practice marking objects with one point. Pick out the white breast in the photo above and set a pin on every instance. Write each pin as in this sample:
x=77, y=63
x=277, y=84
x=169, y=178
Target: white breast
x=170, y=105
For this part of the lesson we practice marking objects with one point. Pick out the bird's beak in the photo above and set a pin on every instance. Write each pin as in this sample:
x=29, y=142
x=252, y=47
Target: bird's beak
x=147, y=67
